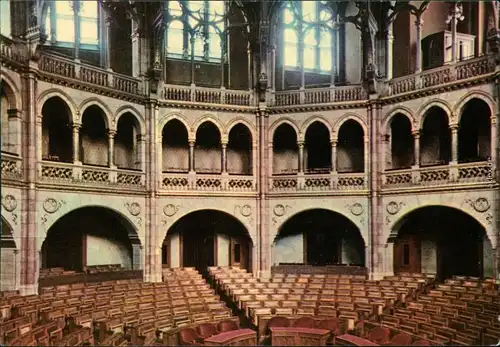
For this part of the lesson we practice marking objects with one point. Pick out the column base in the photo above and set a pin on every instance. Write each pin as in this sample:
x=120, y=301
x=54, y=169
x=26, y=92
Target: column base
x=264, y=274
x=28, y=289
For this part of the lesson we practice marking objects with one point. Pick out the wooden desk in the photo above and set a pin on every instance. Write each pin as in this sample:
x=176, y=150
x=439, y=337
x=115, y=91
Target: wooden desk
x=241, y=337
x=299, y=336
x=351, y=340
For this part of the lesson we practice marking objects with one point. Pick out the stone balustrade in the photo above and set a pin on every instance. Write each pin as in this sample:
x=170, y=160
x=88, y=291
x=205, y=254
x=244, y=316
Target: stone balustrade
x=74, y=69
x=11, y=167
x=317, y=96
x=220, y=96
x=442, y=75
x=74, y=174
x=452, y=174
x=208, y=182
x=325, y=182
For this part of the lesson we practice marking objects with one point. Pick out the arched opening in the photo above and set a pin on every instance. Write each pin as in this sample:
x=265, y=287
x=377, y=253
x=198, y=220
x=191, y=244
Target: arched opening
x=239, y=151
x=93, y=137
x=319, y=237
x=91, y=236
x=208, y=158
x=7, y=142
x=285, y=150
x=207, y=238
x=350, y=147
x=57, y=133
x=402, y=144
x=474, y=132
x=175, y=147
x=126, y=149
x=317, y=149
x=435, y=139
x=8, y=263
x=443, y=241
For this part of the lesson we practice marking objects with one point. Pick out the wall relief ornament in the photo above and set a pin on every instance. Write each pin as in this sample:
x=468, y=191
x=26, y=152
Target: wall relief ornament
x=481, y=204
x=170, y=209
x=133, y=208
x=245, y=210
x=393, y=207
x=356, y=208
x=51, y=205
x=9, y=202
x=279, y=211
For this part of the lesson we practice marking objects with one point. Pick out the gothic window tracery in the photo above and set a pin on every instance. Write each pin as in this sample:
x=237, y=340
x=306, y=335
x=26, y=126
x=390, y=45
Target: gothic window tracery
x=195, y=27
x=308, y=35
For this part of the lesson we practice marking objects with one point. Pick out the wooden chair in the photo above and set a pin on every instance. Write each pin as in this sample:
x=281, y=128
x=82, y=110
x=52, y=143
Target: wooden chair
x=304, y=322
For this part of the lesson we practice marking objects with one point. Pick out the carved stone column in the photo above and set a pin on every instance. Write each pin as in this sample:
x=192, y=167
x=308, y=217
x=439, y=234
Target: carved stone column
x=454, y=143
x=111, y=147
x=301, y=157
x=76, y=47
x=263, y=241
x=107, y=43
x=140, y=162
x=76, y=143
x=454, y=15
x=416, y=147
x=418, y=61
x=136, y=50
x=191, y=155
x=223, y=158
x=29, y=255
x=334, y=155
x=388, y=52
x=272, y=75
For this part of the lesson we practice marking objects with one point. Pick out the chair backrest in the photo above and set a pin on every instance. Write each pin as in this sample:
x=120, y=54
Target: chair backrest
x=188, y=335
x=278, y=322
x=421, y=342
x=331, y=324
x=379, y=334
x=227, y=325
x=401, y=339
x=304, y=322
x=206, y=330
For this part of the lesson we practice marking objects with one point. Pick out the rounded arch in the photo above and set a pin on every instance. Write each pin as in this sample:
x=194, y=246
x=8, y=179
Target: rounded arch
x=50, y=222
x=210, y=119
x=107, y=236
x=325, y=236
x=242, y=121
x=280, y=121
x=396, y=225
x=43, y=97
x=168, y=117
x=475, y=94
x=422, y=112
x=108, y=119
x=350, y=116
x=387, y=120
x=420, y=230
x=209, y=237
x=12, y=92
x=316, y=118
x=129, y=109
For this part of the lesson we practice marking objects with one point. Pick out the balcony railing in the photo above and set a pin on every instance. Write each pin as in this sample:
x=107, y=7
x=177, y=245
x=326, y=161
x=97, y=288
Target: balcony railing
x=318, y=96
x=11, y=167
x=69, y=173
x=9, y=51
x=208, y=182
x=442, y=75
x=318, y=182
x=480, y=172
x=208, y=95
x=75, y=69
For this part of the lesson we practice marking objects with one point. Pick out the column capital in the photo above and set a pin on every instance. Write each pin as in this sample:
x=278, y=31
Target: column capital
x=76, y=126
x=454, y=127
x=300, y=143
x=334, y=142
x=140, y=138
x=191, y=142
x=416, y=133
x=14, y=113
x=224, y=143
x=111, y=133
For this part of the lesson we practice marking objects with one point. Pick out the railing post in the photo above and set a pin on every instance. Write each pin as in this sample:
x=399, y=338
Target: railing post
x=302, y=95
x=223, y=95
x=193, y=92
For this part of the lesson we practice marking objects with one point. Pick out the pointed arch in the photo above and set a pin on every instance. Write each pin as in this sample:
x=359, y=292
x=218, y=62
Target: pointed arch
x=108, y=119
x=140, y=120
x=43, y=97
x=445, y=106
x=12, y=92
x=244, y=122
x=280, y=121
x=211, y=119
x=350, y=116
x=316, y=118
x=475, y=94
x=386, y=121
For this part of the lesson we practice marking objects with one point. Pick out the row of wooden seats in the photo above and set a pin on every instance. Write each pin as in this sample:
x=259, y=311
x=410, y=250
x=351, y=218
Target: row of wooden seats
x=120, y=305
x=197, y=332
x=390, y=336
x=102, y=268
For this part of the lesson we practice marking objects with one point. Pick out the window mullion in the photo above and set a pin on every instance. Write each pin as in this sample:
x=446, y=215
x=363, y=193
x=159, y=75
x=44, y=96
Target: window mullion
x=206, y=20
x=186, y=28
x=53, y=26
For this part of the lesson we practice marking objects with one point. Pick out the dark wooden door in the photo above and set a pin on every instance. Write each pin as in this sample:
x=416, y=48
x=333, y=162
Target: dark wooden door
x=407, y=254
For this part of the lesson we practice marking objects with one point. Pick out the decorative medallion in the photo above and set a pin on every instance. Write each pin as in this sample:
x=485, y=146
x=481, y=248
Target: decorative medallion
x=9, y=203
x=481, y=205
x=356, y=209
x=170, y=209
x=279, y=210
x=134, y=208
x=245, y=210
x=51, y=205
x=393, y=207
